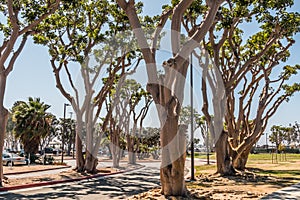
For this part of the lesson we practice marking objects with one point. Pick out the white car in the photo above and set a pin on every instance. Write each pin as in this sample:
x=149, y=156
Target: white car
x=13, y=159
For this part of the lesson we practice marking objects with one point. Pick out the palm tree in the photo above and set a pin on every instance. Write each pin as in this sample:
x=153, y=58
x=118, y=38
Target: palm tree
x=32, y=123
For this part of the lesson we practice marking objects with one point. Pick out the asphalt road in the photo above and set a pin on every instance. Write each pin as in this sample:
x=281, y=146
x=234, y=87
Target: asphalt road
x=119, y=186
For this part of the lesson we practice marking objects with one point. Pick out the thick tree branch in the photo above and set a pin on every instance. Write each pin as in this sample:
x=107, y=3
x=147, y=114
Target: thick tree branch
x=53, y=7
x=141, y=39
x=59, y=85
x=13, y=37
x=243, y=70
x=178, y=12
x=199, y=35
x=15, y=55
x=163, y=19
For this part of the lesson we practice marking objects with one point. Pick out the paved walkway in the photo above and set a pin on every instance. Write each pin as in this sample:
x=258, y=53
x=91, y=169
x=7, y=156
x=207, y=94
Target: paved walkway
x=37, y=173
x=290, y=193
x=119, y=186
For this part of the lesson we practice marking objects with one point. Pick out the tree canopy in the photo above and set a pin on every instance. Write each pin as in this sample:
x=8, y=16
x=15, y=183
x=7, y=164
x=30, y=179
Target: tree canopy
x=18, y=19
x=32, y=123
x=251, y=67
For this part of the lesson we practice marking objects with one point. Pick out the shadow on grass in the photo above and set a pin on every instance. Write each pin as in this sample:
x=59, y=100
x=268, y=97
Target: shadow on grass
x=276, y=172
x=252, y=177
x=277, y=178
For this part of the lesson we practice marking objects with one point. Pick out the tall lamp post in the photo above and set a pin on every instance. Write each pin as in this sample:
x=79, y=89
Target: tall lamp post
x=267, y=141
x=192, y=122
x=63, y=133
x=72, y=136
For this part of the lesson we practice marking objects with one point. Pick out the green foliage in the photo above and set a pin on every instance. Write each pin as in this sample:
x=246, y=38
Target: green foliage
x=10, y=124
x=73, y=29
x=133, y=93
x=291, y=89
x=199, y=121
x=281, y=135
x=185, y=115
x=32, y=123
x=250, y=63
x=149, y=142
x=27, y=11
x=281, y=147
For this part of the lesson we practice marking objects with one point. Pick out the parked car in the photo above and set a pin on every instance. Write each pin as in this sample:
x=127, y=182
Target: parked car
x=46, y=150
x=13, y=158
x=57, y=151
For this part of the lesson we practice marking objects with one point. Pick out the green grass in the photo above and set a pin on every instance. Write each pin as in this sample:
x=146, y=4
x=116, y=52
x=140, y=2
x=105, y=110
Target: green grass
x=256, y=157
x=255, y=162
x=202, y=155
x=284, y=167
x=277, y=173
x=205, y=169
x=267, y=158
x=260, y=171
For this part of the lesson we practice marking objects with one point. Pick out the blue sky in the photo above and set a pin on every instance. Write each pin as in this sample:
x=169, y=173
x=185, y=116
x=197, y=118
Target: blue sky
x=33, y=76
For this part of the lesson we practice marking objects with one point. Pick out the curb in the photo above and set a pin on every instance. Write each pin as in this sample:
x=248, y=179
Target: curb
x=126, y=161
x=3, y=189
x=41, y=170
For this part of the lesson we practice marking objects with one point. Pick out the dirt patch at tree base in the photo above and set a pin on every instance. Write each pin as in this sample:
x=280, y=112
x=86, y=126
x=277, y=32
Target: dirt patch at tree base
x=30, y=168
x=243, y=186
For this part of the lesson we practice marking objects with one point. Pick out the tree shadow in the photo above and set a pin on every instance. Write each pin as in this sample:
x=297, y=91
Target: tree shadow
x=257, y=176
x=119, y=186
x=291, y=193
x=276, y=172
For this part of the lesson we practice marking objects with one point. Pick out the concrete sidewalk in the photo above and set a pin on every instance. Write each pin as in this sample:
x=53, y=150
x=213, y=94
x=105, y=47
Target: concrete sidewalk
x=38, y=173
x=290, y=193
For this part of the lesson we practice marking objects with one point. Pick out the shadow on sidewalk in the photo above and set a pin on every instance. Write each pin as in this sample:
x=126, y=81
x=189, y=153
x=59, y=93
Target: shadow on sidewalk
x=113, y=187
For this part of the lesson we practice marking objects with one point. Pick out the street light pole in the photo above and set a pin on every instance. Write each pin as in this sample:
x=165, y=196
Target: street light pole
x=207, y=148
x=267, y=141
x=192, y=123
x=63, y=133
x=72, y=136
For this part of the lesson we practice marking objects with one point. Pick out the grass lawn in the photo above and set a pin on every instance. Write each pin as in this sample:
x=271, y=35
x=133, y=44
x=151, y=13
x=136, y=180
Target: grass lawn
x=261, y=178
x=203, y=155
x=285, y=168
x=258, y=158
x=273, y=158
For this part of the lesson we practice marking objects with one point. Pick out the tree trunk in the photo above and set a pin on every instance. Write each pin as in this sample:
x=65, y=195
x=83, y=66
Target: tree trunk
x=115, y=148
x=69, y=149
x=3, y=122
x=109, y=150
x=79, y=154
x=132, y=158
x=240, y=162
x=173, y=159
x=91, y=163
x=116, y=156
x=224, y=164
x=91, y=160
x=131, y=150
x=78, y=142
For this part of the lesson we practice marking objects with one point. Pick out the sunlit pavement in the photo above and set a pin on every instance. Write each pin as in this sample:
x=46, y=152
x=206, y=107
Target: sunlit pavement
x=119, y=186
x=291, y=193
